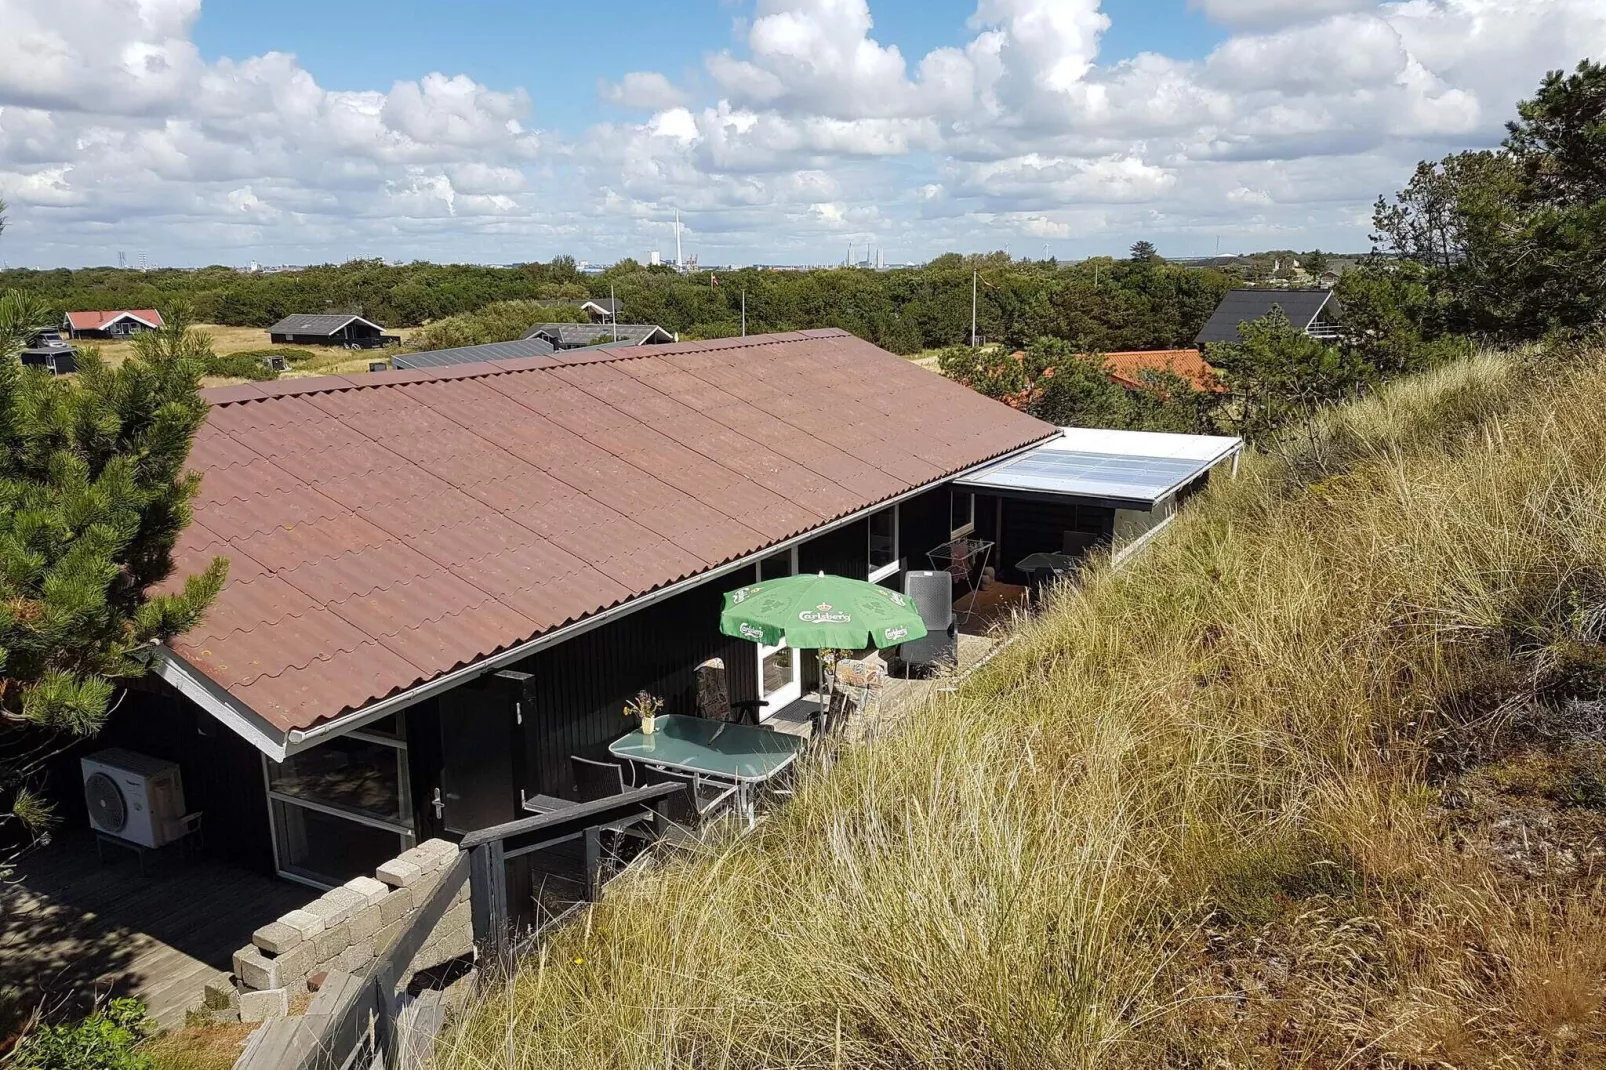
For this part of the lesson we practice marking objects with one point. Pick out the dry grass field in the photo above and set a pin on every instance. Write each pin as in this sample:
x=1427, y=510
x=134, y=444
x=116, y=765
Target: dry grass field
x=1317, y=782
x=226, y=340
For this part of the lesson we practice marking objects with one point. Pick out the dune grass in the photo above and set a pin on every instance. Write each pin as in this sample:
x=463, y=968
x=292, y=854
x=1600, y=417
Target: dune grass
x=1317, y=781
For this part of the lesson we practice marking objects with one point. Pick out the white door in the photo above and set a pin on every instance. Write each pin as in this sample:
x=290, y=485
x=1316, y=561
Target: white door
x=780, y=677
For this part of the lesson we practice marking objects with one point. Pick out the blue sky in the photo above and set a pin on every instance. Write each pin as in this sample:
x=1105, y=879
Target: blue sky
x=488, y=131
x=559, y=51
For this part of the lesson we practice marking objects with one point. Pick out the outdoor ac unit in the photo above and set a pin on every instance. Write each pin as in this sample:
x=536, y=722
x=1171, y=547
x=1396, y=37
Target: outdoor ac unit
x=133, y=796
x=933, y=594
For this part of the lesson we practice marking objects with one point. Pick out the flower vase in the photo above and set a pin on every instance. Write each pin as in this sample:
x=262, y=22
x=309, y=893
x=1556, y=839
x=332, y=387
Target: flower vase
x=649, y=724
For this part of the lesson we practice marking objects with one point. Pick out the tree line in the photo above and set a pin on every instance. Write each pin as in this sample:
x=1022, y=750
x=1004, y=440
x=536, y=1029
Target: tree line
x=1500, y=246
x=1140, y=302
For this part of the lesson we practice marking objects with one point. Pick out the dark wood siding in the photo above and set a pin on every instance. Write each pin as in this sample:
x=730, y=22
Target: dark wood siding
x=923, y=526
x=578, y=688
x=1039, y=527
x=222, y=772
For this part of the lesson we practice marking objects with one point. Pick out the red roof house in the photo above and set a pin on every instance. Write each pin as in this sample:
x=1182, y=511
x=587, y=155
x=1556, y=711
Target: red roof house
x=112, y=323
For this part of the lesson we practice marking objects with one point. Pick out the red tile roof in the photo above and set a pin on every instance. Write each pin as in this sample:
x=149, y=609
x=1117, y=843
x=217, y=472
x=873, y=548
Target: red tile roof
x=94, y=321
x=1128, y=368
x=387, y=528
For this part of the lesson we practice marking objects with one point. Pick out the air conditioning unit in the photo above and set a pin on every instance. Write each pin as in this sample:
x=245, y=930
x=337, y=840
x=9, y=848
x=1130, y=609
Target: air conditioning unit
x=133, y=796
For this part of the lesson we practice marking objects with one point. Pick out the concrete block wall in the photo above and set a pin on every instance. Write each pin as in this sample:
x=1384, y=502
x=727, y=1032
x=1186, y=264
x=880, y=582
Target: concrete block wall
x=346, y=928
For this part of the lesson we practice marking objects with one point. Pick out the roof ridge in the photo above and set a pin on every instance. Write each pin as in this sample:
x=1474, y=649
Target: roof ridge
x=324, y=384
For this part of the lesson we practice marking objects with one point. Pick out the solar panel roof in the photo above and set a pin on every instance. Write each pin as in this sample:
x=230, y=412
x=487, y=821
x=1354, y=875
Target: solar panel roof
x=1066, y=467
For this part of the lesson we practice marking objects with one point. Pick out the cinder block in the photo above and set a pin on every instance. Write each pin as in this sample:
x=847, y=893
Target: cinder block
x=335, y=906
x=364, y=924
x=398, y=874
x=276, y=937
x=371, y=890
x=354, y=958
x=304, y=922
x=443, y=851
x=386, y=935
x=220, y=996
x=395, y=905
x=295, y=964
x=331, y=942
x=425, y=886
x=264, y=1006
x=255, y=970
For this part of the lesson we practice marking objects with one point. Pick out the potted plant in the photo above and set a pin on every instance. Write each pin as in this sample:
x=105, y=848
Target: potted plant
x=646, y=707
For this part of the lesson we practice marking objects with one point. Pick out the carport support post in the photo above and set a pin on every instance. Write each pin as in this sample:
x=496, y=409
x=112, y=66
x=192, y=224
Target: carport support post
x=487, y=882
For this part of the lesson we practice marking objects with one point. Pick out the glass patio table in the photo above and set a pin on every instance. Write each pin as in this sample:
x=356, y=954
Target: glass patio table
x=735, y=754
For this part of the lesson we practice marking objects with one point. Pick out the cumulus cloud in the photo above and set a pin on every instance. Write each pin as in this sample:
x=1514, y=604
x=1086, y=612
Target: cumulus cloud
x=809, y=128
x=1262, y=13
x=647, y=90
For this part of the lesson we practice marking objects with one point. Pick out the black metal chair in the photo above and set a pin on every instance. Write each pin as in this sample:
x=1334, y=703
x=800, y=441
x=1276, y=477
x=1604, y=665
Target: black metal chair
x=596, y=780
x=601, y=780
x=696, y=802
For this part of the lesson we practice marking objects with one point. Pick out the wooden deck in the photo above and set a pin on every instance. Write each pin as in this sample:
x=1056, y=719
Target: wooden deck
x=71, y=927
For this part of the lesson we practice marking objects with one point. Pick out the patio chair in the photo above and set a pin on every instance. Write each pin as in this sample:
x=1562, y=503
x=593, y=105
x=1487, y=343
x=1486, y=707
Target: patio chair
x=700, y=799
x=602, y=780
x=596, y=780
x=714, y=696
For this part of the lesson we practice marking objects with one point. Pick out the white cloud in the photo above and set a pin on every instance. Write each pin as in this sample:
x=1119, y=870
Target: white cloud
x=810, y=129
x=648, y=90
x=1262, y=13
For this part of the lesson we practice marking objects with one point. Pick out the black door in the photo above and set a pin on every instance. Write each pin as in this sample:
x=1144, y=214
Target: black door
x=479, y=757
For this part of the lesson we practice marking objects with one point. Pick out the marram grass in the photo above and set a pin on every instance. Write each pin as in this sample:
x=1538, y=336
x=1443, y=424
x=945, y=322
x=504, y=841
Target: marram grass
x=1193, y=817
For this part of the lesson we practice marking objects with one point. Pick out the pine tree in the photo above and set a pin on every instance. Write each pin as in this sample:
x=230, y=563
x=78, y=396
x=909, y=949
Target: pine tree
x=93, y=496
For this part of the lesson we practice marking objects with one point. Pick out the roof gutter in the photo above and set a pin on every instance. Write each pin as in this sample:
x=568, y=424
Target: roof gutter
x=205, y=693
x=299, y=739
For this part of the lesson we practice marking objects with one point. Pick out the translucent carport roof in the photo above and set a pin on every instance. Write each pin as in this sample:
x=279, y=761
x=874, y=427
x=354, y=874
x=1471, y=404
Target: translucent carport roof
x=1129, y=468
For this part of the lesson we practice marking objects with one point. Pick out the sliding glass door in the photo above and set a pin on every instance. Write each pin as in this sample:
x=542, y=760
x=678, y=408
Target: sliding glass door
x=341, y=808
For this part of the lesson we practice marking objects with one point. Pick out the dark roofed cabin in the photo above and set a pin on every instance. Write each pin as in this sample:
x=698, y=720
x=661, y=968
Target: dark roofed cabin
x=577, y=335
x=352, y=332
x=1316, y=312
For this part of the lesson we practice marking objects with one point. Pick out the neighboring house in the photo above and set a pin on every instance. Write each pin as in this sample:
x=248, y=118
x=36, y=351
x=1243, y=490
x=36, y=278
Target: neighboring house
x=442, y=358
x=575, y=335
x=602, y=309
x=115, y=323
x=352, y=332
x=1315, y=312
x=56, y=359
x=1128, y=368
x=48, y=350
x=444, y=582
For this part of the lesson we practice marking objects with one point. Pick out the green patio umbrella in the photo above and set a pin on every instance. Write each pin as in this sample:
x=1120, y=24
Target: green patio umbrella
x=820, y=613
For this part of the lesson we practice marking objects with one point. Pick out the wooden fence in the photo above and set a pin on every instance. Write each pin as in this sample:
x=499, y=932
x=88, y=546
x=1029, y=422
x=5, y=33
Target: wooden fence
x=361, y=1022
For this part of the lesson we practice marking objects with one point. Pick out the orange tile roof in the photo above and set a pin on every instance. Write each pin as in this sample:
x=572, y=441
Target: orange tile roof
x=387, y=528
x=1128, y=368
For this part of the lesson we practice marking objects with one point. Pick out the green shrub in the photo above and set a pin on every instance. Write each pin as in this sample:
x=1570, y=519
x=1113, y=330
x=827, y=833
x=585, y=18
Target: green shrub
x=106, y=1040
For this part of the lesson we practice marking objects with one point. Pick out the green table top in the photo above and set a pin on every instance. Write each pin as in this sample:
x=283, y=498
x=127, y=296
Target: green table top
x=698, y=745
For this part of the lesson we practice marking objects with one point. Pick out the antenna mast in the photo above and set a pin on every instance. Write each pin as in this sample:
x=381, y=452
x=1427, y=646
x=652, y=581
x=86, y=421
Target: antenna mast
x=680, y=265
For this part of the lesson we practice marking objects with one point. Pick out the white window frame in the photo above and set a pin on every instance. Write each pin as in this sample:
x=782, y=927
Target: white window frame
x=793, y=691
x=406, y=833
x=969, y=526
x=892, y=569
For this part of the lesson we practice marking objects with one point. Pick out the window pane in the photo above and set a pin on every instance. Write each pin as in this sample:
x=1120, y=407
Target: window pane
x=961, y=512
x=777, y=671
x=775, y=566
x=353, y=774
x=330, y=849
x=883, y=538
